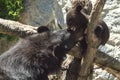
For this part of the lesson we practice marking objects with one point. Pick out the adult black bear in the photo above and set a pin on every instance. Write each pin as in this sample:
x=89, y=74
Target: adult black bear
x=36, y=56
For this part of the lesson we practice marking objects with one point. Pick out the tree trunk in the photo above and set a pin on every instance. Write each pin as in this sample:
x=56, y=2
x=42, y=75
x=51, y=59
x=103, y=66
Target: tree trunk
x=93, y=43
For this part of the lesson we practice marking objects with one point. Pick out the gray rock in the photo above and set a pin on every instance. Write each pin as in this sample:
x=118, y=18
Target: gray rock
x=41, y=12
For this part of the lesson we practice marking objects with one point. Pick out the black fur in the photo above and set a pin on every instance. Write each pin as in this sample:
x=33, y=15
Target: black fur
x=77, y=21
x=42, y=29
x=102, y=32
x=36, y=56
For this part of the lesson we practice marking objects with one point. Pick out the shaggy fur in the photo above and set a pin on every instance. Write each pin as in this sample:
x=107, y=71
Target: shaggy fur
x=36, y=56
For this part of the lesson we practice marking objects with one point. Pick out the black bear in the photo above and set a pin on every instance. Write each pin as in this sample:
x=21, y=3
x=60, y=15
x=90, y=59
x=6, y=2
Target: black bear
x=36, y=56
x=77, y=20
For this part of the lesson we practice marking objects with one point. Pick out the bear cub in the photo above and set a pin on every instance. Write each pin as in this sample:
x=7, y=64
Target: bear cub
x=77, y=21
x=36, y=56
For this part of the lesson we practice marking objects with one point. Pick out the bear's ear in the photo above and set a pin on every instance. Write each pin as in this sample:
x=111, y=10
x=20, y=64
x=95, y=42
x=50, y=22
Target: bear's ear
x=78, y=8
x=98, y=31
x=42, y=29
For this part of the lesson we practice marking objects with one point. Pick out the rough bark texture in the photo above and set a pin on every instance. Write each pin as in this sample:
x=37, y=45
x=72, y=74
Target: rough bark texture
x=16, y=28
x=108, y=63
x=93, y=43
x=103, y=60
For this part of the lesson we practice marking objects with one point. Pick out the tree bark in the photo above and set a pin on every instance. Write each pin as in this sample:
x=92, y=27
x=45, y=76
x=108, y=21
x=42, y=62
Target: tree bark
x=101, y=59
x=93, y=43
x=108, y=63
x=16, y=28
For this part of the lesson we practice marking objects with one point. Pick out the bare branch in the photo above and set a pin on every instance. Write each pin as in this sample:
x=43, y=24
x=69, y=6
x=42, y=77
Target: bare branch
x=16, y=28
x=110, y=64
x=103, y=60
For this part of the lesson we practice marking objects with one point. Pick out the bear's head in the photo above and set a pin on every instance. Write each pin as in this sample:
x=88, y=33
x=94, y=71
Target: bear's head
x=60, y=42
x=77, y=21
